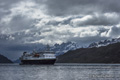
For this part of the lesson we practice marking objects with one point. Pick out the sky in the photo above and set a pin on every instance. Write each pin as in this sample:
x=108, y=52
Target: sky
x=28, y=24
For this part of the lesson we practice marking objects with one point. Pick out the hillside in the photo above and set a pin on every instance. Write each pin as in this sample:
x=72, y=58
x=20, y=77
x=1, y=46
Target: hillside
x=4, y=59
x=103, y=54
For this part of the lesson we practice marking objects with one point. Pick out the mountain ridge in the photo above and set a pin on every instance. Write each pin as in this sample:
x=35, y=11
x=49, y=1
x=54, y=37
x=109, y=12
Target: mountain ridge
x=104, y=42
x=4, y=59
x=103, y=54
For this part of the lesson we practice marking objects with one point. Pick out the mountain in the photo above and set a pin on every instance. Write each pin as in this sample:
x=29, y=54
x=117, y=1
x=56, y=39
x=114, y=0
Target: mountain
x=103, y=54
x=62, y=48
x=104, y=42
x=65, y=47
x=4, y=59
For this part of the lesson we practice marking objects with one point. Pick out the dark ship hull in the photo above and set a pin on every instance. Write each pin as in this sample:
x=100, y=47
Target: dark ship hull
x=38, y=62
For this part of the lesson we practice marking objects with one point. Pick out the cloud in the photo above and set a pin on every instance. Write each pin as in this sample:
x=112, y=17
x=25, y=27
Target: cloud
x=22, y=16
x=106, y=19
x=114, y=32
x=75, y=7
x=68, y=7
x=64, y=33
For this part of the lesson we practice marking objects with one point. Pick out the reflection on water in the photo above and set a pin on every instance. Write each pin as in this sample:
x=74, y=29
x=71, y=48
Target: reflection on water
x=59, y=72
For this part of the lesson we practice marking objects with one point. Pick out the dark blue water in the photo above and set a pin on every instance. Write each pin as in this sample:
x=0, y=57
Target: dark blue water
x=59, y=72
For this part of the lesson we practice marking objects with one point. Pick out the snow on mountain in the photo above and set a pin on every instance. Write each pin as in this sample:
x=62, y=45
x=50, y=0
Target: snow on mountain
x=104, y=42
x=62, y=48
x=65, y=47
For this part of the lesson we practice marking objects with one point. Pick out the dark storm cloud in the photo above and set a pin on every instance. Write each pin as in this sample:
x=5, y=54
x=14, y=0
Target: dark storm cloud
x=110, y=5
x=5, y=5
x=65, y=7
x=69, y=7
x=83, y=8
x=3, y=12
x=19, y=22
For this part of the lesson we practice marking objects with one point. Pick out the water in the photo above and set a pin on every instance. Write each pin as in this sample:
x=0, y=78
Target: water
x=60, y=72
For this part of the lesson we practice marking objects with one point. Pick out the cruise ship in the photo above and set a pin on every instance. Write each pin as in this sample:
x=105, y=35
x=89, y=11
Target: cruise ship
x=43, y=57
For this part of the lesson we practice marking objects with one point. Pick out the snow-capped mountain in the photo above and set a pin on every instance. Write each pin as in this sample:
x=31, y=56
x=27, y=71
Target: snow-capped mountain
x=104, y=42
x=63, y=48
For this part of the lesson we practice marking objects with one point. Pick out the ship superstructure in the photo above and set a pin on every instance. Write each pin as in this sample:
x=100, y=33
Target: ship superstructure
x=42, y=57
